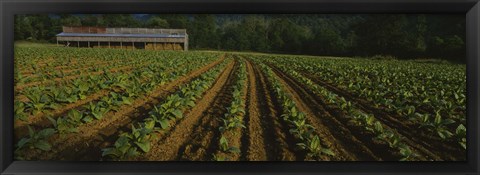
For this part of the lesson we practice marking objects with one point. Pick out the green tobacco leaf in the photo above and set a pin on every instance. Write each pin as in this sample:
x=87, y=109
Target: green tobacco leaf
x=463, y=144
x=43, y=145
x=149, y=124
x=224, y=143
x=87, y=119
x=132, y=152
x=178, y=113
x=144, y=146
x=82, y=96
x=22, y=142
x=111, y=151
x=164, y=124
x=46, y=132
x=315, y=143
x=448, y=121
x=53, y=121
x=378, y=127
x=191, y=103
x=127, y=100
x=328, y=152
x=302, y=145
x=461, y=130
x=444, y=134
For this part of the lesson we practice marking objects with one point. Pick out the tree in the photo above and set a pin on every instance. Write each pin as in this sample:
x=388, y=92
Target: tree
x=255, y=28
x=403, y=36
x=93, y=20
x=157, y=22
x=383, y=34
x=120, y=20
x=22, y=27
x=286, y=36
x=70, y=20
x=204, y=34
x=176, y=21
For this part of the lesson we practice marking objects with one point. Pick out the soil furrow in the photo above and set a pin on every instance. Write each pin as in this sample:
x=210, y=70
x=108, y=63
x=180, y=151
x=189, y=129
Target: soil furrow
x=255, y=147
x=205, y=137
x=95, y=132
x=168, y=148
x=40, y=120
x=416, y=139
x=332, y=133
x=278, y=140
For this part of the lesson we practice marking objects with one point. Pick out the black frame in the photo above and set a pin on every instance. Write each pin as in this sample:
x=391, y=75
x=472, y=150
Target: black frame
x=471, y=9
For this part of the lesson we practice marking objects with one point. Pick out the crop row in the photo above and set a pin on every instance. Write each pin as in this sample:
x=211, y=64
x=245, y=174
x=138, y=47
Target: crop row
x=43, y=98
x=38, y=60
x=358, y=117
x=297, y=120
x=232, y=121
x=123, y=94
x=401, y=91
x=139, y=139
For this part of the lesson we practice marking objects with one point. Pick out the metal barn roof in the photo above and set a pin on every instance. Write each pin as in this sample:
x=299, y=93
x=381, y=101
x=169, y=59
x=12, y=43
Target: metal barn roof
x=119, y=35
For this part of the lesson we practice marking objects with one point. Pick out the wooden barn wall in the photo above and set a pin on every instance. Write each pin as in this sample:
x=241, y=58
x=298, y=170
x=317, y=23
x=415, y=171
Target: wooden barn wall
x=145, y=31
x=129, y=45
x=121, y=39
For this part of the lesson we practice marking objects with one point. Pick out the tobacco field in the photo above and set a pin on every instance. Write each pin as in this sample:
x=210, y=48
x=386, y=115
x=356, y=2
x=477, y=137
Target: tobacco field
x=138, y=105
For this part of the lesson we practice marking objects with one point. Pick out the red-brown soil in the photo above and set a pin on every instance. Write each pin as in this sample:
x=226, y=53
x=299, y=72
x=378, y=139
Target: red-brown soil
x=169, y=147
x=98, y=130
x=431, y=146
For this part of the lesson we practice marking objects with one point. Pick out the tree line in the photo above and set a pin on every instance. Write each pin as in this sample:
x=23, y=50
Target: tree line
x=405, y=36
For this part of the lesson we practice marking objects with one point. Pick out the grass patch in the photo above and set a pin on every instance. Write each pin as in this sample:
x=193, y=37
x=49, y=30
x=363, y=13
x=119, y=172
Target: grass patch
x=33, y=44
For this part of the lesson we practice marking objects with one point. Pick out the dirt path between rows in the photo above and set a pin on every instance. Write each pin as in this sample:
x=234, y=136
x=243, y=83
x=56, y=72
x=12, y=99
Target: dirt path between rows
x=333, y=134
x=40, y=120
x=256, y=149
x=90, y=134
x=170, y=147
x=204, y=139
x=280, y=144
x=431, y=148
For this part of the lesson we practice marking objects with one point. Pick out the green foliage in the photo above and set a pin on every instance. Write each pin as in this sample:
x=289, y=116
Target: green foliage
x=232, y=120
x=68, y=123
x=34, y=140
x=225, y=147
x=38, y=101
x=429, y=96
x=157, y=22
x=19, y=109
x=136, y=141
x=399, y=35
x=461, y=135
x=299, y=127
x=437, y=125
x=97, y=110
x=315, y=149
x=130, y=144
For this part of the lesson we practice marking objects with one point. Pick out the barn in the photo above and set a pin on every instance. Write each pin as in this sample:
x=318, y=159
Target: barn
x=124, y=38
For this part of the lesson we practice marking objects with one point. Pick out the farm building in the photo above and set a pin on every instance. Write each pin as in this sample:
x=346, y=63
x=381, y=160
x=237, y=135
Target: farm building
x=124, y=38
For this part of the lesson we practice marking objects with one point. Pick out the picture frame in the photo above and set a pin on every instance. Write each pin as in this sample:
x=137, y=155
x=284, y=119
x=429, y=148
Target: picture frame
x=8, y=8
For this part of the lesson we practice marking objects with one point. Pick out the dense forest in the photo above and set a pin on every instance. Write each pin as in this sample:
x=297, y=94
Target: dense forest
x=404, y=36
